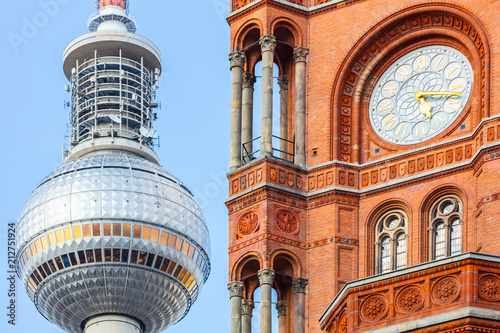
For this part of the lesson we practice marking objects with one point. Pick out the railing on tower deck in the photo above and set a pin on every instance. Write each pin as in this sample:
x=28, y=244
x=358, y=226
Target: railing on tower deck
x=237, y=4
x=248, y=156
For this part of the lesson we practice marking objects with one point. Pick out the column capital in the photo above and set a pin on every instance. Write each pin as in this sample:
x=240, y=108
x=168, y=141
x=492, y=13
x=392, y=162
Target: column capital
x=247, y=307
x=283, y=81
x=281, y=307
x=300, y=54
x=266, y=276
x=299, y=285
x=237, y=59
x=235, y=289
x=267, y=43
x=249, y=80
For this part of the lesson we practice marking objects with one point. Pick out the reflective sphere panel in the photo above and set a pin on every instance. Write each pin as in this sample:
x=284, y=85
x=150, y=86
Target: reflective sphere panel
x=112, y=233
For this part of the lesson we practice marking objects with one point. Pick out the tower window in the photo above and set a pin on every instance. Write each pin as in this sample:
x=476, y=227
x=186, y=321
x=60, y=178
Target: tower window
x=445, y=230
x=391, y=241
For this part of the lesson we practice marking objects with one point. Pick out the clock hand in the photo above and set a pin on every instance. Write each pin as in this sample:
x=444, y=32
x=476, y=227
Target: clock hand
x=420, y=94
x=425, y=108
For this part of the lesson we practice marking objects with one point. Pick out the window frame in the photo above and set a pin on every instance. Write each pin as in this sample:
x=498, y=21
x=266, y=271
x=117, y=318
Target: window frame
x=447, y=219
x=383, y=230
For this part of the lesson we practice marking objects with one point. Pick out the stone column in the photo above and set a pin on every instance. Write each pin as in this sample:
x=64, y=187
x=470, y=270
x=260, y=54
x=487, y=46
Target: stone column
x=235, y=294
x=266, y=279
x=247, y=307
x=268, y=44
x=281, y=307
x=299, y=286
x=300, y=56
x=237, y=60
x=283, y=83
x=247, y=124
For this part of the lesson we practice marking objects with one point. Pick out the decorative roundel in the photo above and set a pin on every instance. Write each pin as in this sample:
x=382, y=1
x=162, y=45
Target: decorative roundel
x=374, y=308
x=410, y=299
x=421, y=94
x=446, y=290
x=287, y=222
x=248, y=224
x=489, y=287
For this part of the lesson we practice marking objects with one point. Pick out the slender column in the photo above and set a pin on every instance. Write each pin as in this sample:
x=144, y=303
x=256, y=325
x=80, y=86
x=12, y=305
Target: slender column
x=237, y=60
x=235, y=294
x=266, y=279
x=247, y=307
x=247, y=124
x=283, y=83
x=300, y=56
x=299, y=286
x=268, y=44
x=281, y=307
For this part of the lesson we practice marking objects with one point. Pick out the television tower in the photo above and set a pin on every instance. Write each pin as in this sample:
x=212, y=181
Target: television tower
x=110, y=241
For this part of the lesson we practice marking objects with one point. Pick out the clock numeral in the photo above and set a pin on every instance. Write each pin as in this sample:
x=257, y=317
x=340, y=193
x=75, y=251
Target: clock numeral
x=438, y=119
x=403, y=72
x=384, y=107
x=389, y=121
x=421, y=63
x=439, y=61
x=401, y=128
x=452, y=70
x=419, y=130
x=457, y=86
x=390, y=88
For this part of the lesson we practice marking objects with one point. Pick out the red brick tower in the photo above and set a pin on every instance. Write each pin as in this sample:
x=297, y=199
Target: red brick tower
x=376, y=204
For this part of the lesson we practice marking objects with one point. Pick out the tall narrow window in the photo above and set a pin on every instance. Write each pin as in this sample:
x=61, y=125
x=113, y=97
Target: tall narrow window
x=391, y=241
x=445, y=230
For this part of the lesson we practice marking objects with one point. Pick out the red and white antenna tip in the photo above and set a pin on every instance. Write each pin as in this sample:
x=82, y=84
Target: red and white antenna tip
x=118, y=3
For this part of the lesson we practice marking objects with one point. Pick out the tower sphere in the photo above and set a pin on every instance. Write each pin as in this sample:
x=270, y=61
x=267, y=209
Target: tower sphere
x=111, y=239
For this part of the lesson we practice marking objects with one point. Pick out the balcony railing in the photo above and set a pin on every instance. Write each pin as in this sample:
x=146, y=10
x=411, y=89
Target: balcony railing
x=249, y=154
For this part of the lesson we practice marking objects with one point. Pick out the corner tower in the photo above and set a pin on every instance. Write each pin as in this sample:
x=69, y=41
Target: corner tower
x=363, y=206
x=111, y=241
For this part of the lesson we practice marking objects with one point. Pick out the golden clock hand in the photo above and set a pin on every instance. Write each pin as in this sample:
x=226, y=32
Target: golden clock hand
x=425, y=108
x=419, y=94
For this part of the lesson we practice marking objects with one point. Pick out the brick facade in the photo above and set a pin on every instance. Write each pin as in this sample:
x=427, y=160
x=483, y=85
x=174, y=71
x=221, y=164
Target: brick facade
x=318, y=222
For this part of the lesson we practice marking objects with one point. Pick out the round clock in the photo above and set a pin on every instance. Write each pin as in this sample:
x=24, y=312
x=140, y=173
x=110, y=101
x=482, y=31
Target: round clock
x=421, y=94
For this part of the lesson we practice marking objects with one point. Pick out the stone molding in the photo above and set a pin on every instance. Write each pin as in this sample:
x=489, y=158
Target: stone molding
x=281, y=307
x=247, y=306
x=267, y=43
x=266, y=276
x=237, y=59
x=283, y=82
x=235, y=289
x=299, y=285
x=249, y=80
x=300, y=54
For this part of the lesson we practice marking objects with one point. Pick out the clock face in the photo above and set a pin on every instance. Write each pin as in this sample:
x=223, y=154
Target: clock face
x=421, y=94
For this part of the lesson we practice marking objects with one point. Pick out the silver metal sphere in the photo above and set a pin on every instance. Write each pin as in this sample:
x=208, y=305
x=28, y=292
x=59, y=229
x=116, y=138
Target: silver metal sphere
x=112, y=233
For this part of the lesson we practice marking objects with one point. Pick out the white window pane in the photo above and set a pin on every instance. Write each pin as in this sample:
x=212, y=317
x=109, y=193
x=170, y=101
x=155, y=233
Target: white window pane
x=400, y=251
x=456, y=237
x=440, y=241
x=385, y=252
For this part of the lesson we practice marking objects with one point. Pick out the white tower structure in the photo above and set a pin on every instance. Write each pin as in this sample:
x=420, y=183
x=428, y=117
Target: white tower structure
x=111, y=242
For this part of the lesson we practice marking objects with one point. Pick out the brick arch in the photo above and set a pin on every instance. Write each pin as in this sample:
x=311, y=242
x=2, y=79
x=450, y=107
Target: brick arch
x=291, y=258
x=371, y=222
x=292, y=27
x=419, y=26
x=246, y=39
x=243, y=262
x=425, y=206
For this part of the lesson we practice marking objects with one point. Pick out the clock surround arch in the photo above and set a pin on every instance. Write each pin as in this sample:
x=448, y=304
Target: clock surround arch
x=447, y=25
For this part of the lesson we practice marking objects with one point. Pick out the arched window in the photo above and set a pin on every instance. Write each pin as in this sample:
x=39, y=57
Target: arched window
x=391, y=241
x=445, y=229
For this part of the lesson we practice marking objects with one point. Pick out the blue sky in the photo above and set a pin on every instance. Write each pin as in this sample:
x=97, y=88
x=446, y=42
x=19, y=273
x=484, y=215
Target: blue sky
x=193, y=37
